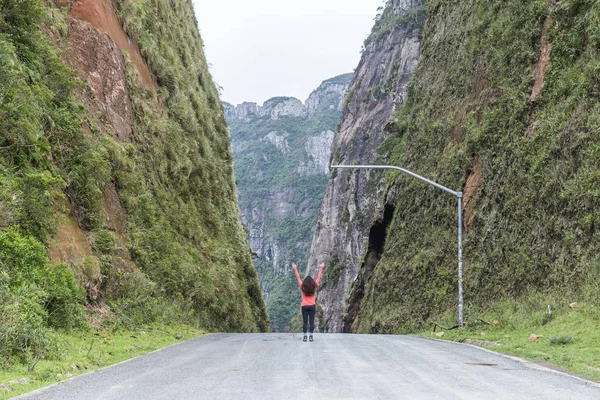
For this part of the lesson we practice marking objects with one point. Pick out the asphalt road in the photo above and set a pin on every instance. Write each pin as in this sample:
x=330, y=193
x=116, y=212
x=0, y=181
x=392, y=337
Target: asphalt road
x=334, y=366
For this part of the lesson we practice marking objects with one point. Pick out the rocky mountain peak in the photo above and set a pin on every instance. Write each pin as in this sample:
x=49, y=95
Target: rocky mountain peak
x=277, y=107
x=328, y=96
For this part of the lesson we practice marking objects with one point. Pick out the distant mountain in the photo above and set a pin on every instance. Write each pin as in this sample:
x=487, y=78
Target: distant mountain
x=281, y=155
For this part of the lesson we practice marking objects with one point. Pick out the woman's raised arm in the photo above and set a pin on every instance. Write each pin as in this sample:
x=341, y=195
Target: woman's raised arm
x=320, y=273
x=297, y=276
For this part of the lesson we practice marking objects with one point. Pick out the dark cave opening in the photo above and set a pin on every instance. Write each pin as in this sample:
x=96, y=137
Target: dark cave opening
x=378, y=232
x=377, y=237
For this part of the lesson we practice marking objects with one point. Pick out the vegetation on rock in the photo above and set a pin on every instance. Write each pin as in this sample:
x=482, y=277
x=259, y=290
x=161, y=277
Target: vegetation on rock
x=485, y=101
x=182, y=256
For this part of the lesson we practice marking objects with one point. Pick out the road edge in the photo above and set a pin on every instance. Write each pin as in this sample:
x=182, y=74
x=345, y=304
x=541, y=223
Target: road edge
x=44, y=388
x=526, y=362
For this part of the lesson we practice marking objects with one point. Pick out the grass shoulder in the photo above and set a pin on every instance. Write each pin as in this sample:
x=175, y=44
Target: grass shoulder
x=566, y=337
x=76, y=353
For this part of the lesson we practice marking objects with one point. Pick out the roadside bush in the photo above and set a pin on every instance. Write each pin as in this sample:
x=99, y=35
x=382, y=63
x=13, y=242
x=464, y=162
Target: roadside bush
x=24, y=259
x=22, y=326
x=65, y=297
x=34, y=296
x=561, y=339
x=139, y=302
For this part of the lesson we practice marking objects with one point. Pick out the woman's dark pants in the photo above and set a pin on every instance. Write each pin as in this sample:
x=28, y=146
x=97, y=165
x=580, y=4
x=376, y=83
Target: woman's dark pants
x=308, y=314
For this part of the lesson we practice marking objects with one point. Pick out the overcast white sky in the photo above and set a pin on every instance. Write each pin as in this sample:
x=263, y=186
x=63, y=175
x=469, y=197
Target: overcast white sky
x=264, y=48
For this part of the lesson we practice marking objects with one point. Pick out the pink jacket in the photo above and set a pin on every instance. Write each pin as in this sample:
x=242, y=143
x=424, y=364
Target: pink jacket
x=308, y=300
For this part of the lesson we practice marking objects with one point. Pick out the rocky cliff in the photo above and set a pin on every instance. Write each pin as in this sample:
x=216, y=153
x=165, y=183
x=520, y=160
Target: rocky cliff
x=502, y=107
x=281, y=152
x=354, y=200
x=115, y=164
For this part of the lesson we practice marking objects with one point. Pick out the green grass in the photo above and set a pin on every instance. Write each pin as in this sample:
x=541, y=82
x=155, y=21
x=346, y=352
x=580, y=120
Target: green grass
x=570, y=338
x=80, y=352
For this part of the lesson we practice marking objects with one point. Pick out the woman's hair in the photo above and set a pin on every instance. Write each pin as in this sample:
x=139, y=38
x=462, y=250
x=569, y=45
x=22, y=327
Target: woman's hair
x=309, y=286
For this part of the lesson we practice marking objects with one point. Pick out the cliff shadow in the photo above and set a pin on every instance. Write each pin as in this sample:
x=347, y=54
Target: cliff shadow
x=377, y=237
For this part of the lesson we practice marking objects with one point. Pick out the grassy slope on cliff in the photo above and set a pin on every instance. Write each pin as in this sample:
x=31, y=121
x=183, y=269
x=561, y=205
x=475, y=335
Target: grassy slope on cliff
x=37, y=110
x=174, y=178
x=185, y=230
x=528, y=163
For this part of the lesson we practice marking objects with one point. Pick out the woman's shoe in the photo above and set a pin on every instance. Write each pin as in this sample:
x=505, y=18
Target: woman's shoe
x=304, y=340
x=310, y=338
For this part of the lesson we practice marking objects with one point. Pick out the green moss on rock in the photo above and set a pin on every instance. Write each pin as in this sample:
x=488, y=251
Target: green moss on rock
x=536, y=212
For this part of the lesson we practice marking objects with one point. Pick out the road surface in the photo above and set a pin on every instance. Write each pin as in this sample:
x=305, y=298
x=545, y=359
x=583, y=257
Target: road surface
x=334, y=366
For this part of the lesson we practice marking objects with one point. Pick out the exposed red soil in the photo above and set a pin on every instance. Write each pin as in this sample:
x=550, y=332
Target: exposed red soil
x=543, y=63
x=69, y=244
x=101, y=64
x=474, y=182
x=101, y=15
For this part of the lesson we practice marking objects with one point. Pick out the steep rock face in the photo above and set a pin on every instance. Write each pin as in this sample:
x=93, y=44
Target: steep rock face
x=318, y=149
x=503, y=106
x=354, y=200
x=281, y=152
x=132, y=144
x=518, y=140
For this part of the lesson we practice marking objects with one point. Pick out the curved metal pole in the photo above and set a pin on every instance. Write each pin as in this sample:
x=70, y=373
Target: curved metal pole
x=407, y=172
x=460, y=263
x=458, y=195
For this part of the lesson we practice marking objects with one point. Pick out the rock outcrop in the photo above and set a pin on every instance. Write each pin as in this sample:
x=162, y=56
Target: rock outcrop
x=354, y=199
x=329, y=95
x=101, y=64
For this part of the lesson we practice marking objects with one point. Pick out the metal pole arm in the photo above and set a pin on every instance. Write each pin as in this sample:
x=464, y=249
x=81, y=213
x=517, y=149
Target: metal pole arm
x=405, y=171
